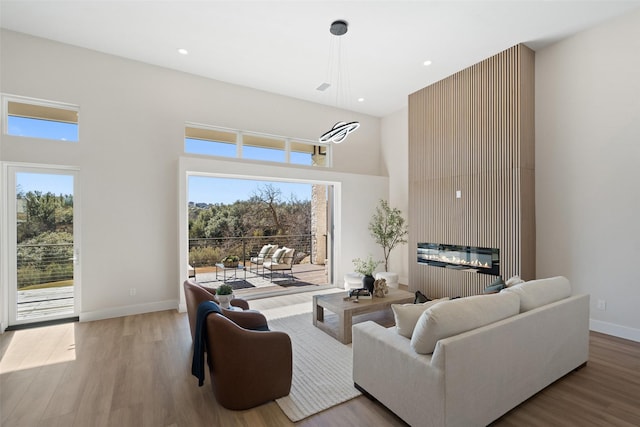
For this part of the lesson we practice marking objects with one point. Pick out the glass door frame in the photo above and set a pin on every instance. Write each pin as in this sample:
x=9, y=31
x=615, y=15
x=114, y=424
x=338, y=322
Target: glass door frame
x=8, y=250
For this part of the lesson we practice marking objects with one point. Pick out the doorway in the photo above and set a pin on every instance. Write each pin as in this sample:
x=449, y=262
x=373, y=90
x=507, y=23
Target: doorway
x=42, y=248
x=229, y=215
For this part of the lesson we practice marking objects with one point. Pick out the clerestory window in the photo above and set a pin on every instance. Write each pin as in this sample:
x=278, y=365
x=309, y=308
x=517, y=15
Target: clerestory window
x=213, y=141
x=33, y=118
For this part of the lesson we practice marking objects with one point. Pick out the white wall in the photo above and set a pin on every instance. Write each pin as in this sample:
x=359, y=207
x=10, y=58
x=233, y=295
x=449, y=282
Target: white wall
x=132, y=119
x=588, y=169
x=394, y=137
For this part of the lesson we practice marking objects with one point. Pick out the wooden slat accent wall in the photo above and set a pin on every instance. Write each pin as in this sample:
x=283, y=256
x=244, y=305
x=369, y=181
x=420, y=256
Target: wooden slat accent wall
x=474, y=132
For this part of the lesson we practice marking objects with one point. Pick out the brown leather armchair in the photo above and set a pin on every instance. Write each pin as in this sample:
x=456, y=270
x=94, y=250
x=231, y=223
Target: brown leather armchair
x=195, y=293
x=247, y=368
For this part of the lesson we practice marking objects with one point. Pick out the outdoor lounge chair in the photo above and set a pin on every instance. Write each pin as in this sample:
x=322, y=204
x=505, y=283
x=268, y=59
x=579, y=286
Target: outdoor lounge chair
x=280, y=261
x=265, y=254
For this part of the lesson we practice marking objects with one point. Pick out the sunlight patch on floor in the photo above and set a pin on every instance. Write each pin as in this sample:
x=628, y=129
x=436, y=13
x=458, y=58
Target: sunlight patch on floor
x=32, y=348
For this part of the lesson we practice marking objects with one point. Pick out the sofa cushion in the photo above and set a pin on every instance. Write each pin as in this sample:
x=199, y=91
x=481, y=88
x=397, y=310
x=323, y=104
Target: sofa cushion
x=406, y=315
x=536, y=293
x=453, y=317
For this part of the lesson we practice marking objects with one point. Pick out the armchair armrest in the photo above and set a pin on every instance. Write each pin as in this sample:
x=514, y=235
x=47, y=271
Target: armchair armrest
x=248, y=319
x=239, y=302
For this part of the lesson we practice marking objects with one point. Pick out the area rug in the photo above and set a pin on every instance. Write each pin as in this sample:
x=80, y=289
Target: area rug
x=322, y=368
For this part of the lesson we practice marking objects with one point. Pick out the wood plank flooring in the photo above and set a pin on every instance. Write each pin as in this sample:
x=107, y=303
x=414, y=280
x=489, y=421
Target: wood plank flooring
x=135, y=371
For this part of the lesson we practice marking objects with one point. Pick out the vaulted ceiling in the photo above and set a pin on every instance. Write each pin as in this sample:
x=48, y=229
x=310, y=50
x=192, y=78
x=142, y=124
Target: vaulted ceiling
x=285, y=47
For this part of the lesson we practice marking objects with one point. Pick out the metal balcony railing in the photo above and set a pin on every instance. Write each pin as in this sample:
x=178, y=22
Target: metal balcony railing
x=44, y=263
x=208, y=252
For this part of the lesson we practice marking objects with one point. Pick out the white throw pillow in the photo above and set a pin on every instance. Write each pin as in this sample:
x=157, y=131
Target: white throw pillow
x=453, y=317
x=264, y=251
x=406, y=315
x=277, y=255
x=513, y=281
x=536, y=293
x=287, y=256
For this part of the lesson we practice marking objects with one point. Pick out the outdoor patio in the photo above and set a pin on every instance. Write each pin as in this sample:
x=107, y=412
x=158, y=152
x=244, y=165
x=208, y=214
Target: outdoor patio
x=251, y=285
x=39, y=303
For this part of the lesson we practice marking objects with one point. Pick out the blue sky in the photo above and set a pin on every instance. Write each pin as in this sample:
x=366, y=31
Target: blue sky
x=36, y=128
x=56, y=184
x=225, y=190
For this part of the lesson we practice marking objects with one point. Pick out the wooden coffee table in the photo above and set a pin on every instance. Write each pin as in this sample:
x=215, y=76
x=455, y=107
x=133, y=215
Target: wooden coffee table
x=347, y=309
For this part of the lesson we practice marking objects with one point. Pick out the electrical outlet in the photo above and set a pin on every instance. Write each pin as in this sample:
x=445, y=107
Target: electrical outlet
x=601, y=305
x=132, y=292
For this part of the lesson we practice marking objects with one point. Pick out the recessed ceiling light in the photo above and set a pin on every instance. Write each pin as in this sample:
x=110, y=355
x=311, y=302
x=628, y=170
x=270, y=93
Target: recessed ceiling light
x=427, y=63
x=360, y=99
x=183, y=51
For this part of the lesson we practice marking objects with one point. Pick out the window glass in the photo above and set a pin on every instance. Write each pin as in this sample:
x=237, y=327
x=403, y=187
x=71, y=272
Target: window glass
x=41, y=120
x=212, y=142
x=263, y=148
x=301, y=153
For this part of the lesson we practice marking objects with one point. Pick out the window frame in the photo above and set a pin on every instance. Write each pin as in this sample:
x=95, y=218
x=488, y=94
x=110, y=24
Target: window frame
x=322, y=148
x=7, y=98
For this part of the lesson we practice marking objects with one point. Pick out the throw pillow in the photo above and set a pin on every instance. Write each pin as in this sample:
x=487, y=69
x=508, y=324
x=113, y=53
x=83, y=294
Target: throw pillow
x=454, y=317
x=287, y=256
x=513, y=281
x=495, y=286
x=277, y=255
x=264, y=251
x=420, y=298
x=406, y=315
x=536, y=293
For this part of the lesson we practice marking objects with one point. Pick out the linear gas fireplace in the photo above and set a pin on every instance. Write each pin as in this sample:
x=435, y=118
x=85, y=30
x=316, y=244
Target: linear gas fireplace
x=465, y=258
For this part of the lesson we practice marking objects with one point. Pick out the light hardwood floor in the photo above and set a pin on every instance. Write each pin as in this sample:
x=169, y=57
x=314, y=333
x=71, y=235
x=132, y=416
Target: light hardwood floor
x=135, y=371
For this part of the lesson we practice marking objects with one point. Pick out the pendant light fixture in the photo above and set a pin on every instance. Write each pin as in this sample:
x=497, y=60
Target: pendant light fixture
x=340, y=130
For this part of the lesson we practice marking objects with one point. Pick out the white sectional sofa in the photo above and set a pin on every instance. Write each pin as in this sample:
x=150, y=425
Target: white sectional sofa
x=472, y=378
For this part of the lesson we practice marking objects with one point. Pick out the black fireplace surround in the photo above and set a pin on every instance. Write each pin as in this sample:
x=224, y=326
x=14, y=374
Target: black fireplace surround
x=464, y=258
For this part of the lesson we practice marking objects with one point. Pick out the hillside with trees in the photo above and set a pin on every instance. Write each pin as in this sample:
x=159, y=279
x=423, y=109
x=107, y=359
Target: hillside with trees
x=216, y=230
x=45, y=238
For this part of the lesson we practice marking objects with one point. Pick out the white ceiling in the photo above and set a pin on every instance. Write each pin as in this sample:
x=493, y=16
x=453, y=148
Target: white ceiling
x=285, y=47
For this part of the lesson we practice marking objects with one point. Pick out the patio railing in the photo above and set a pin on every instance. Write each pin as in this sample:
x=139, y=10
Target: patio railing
x=208, y=252
x=44, y=263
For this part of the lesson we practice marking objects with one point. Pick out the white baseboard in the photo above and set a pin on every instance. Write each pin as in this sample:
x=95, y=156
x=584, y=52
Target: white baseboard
x=182, y=308
x=128, y=310
x=615, y=330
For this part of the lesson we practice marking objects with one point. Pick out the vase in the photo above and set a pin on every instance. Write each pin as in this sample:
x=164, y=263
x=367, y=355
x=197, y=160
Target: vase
x=367, y=283
x=224, y=300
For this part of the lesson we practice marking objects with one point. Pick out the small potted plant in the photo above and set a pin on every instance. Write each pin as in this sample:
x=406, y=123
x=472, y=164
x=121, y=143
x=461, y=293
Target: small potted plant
x=366, y=268
x=230, y=261
x=224, y=294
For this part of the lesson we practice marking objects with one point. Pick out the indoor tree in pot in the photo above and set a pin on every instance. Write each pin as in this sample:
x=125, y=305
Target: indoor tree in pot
x=224, y=294
x=366, y=268
x=389, y=229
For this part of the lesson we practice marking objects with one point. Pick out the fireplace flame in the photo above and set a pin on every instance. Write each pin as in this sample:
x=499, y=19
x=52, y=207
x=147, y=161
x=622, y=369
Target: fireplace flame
x=458, y=261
